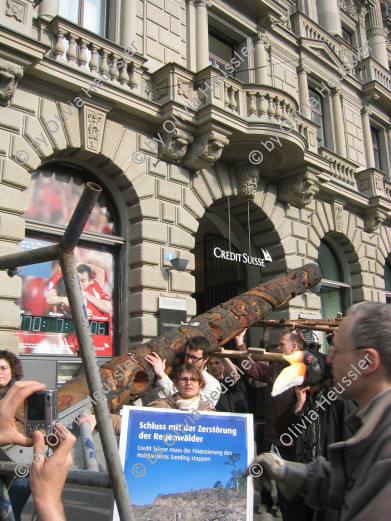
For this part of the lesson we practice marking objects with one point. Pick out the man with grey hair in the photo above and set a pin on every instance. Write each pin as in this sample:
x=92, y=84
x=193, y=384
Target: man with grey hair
x=356, y=481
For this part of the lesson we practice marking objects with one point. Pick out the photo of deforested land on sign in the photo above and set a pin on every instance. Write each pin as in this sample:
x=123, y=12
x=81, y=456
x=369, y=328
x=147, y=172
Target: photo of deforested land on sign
x=198, y=505
x=187, y=467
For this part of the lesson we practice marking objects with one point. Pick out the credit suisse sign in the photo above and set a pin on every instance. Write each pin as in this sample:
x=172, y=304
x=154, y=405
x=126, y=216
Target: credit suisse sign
x=242, y=257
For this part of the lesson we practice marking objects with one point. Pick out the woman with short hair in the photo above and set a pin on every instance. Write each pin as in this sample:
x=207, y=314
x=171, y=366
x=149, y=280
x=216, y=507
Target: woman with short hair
x=188, y=380
x=10, y=372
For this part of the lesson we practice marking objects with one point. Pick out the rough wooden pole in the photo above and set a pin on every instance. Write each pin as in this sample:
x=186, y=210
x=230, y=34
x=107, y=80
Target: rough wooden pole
x=218, y=325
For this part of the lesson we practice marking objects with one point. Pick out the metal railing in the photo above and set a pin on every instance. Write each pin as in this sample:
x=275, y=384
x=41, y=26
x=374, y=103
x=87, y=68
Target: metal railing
x=64, y=252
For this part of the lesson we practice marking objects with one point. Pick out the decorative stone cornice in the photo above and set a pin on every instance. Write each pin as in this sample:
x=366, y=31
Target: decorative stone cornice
x=298, y=190
x=174, y=145
x=10, y=74
x=248, y=177
x=351, y=7
x=272, y=19
x=205, y=151
x=386, y=12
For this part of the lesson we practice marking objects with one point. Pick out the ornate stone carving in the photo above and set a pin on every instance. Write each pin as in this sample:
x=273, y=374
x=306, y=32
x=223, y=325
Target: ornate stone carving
x=263, y=37
x=184, y=88
x=377, y=31
x=350, y=7
x=271, y=20
x=298, y=191
x=175, y=145
x=205, y=151
x=248, y=177
x=94, y=122
x=16, y=9
x=161, y=90
x=9, y=77
x=338, y=216
x=373, y=220
x=364, y=185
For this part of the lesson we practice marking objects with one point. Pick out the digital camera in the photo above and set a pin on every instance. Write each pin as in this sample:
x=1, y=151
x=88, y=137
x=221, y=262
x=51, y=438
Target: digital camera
x=41, y=412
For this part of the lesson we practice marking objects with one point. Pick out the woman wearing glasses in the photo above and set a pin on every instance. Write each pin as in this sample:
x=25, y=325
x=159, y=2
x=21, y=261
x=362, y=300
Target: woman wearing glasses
x=10, y=372
x=189, y=382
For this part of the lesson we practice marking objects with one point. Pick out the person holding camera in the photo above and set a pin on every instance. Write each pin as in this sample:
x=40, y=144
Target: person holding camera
x=48, y=475
x=10, y=372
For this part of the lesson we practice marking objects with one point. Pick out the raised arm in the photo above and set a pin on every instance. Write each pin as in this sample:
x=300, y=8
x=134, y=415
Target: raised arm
x=257, y=370
x=48, y=475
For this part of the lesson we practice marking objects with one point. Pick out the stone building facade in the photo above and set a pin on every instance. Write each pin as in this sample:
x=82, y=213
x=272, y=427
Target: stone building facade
x=261, y=128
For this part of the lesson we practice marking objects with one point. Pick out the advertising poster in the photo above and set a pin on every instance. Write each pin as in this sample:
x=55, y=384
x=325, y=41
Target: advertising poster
x=187, y=465
x=46, y=324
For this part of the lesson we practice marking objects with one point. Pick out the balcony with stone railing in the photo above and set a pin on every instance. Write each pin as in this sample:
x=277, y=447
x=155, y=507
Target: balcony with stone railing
x=244, y=113
x=376, y=80
x=304, y=27
x=230, y=119
x=342, y=171
x=84, y=51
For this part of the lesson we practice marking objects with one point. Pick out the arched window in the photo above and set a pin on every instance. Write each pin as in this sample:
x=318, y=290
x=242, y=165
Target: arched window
x=46, y=323
x=222, y=279
x=332, y=288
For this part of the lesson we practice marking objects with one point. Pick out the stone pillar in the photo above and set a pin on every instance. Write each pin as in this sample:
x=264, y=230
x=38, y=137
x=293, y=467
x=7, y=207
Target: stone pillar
x=340, y=142
x=191, y=36
x=304, y=95
x=301, y=5
x=202, y=38
x=329, y=17
x=376, y=35
x=260, y=59
x=388, y=151
x=48, y=8
x=368, y=146
x=128, y=21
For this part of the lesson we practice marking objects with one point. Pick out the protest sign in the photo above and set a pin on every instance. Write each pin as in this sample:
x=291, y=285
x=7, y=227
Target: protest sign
x=187, y=464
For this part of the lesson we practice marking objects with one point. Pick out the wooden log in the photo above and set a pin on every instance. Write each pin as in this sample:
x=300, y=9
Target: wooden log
x=128, y=376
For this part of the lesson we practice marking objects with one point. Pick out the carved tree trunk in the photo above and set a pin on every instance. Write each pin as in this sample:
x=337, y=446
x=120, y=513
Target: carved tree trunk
x=218, y=325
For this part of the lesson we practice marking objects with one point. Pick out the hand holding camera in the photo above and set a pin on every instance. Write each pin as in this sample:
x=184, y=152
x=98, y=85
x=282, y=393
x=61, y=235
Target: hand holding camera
x=14, y=398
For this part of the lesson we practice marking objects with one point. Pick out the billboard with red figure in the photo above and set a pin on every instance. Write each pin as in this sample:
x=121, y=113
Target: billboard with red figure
x=46, y=324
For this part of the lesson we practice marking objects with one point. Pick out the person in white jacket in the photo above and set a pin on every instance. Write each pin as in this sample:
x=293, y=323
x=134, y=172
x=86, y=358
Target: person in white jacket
x=196, y=352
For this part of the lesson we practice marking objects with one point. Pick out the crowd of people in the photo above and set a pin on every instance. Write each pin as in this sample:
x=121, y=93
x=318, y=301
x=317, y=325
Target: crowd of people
x=352, y=429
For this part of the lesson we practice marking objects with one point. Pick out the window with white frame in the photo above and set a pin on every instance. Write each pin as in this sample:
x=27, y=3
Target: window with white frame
x=332, y=288
x=90, y=14
x=317, y=116
x=381, y=154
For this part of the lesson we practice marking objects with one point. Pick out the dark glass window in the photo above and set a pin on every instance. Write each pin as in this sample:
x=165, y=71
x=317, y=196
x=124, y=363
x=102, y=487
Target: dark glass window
x=332, y=289
x=376, y=148
x=347, y=36
x=317, y=115
x=221, y=51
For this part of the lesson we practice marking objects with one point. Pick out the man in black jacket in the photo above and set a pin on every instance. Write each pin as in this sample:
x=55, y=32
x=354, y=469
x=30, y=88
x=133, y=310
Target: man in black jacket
x=233, y=395
x=356, y=481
